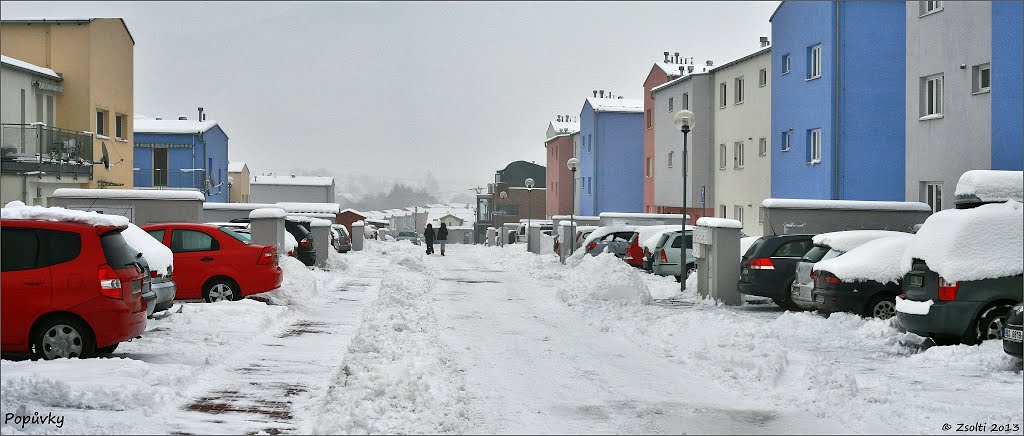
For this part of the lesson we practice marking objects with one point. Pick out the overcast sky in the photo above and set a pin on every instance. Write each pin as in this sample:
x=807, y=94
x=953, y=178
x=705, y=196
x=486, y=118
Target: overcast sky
x=394, y=89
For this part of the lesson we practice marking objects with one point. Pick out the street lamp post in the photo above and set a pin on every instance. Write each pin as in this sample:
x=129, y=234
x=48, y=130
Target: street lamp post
x=684, y=120
x=529, y=211
x=503, y=195
x=573, y=164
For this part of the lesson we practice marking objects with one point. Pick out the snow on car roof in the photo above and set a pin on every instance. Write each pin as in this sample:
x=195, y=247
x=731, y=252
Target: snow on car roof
x=992, y=185
x=17, y=210
x=849, y=239
x=158, y=256
x=877, y=260
x=138, y=194
x=792, y=203
x=971, y=244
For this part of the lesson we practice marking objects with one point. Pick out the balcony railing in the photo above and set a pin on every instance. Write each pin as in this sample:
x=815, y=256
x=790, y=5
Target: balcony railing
x=38, y=147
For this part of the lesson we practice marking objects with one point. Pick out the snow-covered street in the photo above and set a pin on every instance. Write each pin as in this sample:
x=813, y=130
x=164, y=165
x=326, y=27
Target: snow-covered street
x=497, y=340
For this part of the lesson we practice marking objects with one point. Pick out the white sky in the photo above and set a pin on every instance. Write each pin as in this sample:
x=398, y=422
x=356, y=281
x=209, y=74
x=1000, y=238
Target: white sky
x=394, y=89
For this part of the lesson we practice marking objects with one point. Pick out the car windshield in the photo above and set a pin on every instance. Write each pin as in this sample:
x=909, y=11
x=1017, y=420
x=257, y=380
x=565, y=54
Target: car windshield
x=816, y=254
x=245, y=238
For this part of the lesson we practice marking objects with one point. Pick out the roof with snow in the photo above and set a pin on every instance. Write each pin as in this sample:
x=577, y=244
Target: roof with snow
x=173, y=126
x=698, y=70
x=350, y=210
x=292, y=180
x=235, y=167
x=849, y=239
x=877, y=260
x=670, y=69
x=560, y=128
x=239, y=206
x=615, y=104
x=30, y=68
x=68, y=20
x=289, y=207
x=789, y=203
x=135, y=194
x=991, y=185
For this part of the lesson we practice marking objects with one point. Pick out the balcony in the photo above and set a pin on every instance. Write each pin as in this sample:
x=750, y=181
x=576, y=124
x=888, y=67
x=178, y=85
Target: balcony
x=40, y=149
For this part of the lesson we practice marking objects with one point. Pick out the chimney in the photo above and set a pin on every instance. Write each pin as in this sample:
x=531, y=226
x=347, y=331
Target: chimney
x=595, y=93
x=158, y=118
x=690, y=68
x=666, y=57
x=709, y=63
x=620, y=97
x=200, y=113
x=682, y=69
x=602, y=93
x=559, y=118
x=182, y=118
x=677, y=57
x=764, y=41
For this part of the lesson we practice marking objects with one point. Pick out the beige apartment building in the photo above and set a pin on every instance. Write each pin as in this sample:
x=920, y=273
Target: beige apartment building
x=238, y=182
x=95, y=58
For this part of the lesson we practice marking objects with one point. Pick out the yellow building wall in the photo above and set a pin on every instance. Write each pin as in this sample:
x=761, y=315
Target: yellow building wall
x=96, y=60
x=239, y=192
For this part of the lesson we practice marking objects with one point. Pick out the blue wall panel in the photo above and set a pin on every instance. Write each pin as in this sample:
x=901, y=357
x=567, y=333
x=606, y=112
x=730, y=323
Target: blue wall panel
x=1007, y=85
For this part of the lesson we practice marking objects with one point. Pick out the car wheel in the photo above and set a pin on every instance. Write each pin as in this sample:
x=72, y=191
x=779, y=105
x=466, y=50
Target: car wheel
x=108, y=349
x=63, y=337
x=881, y=307
x=989, y=325
x=220, y=290
x=690, y=269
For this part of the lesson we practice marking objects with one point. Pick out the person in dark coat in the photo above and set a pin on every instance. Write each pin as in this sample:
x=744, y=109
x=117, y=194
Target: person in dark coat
x=442, y=236
x=428, y=234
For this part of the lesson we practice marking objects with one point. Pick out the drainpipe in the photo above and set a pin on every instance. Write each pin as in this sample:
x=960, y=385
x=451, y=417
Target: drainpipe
x=24, y=187
x=594, y=170
x=206, y=169
x=191, y=173
x=836, y=93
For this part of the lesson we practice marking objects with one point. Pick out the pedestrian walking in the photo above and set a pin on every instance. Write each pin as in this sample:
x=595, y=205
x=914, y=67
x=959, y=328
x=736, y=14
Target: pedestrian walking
x=442, y=236
x=428, y=234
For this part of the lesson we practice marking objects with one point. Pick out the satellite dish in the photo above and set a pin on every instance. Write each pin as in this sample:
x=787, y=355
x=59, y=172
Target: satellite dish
x=106, y=156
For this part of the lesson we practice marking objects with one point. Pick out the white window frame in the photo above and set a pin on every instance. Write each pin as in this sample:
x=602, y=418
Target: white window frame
x=686, y=101
x=671, y=155
x=787, y=63
x=932, y=90
x=814, y=62
x=762, y=78
x=815, y=145
x=976, y=75
x=762, y=146
x=787, y=140
x=650, y=167
x=737, y=211
x=928, y=7
x=738, y=92
x=670, y=104
x=932, y=193
x=737, y=155
x=723, y=98
x=723, y=155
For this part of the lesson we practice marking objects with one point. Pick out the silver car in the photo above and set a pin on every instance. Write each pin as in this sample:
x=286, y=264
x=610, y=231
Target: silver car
x=666, y=254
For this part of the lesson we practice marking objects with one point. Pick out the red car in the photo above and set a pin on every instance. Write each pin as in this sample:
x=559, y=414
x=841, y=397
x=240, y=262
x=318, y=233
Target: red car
x=69, y=289
x=215, y=263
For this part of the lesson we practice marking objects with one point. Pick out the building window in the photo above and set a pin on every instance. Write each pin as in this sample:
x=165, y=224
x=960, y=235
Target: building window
x=737, y=212
x=686, y=100
x=721, y=211
x=933, y=195
x=785, y=63
x=762, y=147
x=930, y=7
x=931, y=96
x=981, y=76
x=786, y=136
x=650, y=119
x=722, y=155
x=590, y=141
x=159, y=166
x=119, y=126
x=737, y=155
x=739, y=90
x=814, y=146
x=590, y=185
x=722, y=99
x=101, y=122
x=671, y=155
x=650, y=167
x=762, y=77
x=670, y=104
x=814, y=62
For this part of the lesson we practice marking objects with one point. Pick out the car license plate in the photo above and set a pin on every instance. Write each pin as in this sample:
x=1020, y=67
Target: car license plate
x=820, y=299
x=1013, y=335
x=917, y=281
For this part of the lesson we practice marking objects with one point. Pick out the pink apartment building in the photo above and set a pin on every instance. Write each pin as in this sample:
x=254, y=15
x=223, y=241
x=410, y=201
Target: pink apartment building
x=562, y=136
x=660, y=73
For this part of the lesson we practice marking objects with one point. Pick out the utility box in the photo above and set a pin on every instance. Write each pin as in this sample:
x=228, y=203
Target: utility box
x=358, y=234
x=566, y=232
x=533, y=239
x=141, y=206
x=783, y=216
x=491, y=233
x=716, y=242
x=225, y=212
x=267, y=228
x=320, y=230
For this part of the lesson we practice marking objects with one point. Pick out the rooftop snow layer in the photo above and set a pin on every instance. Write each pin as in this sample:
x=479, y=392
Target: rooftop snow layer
x=791, y=203
x=877, y=260
x=642, y=215
x=158, y=256
x=310, y=207
x=670, y=69
x=172, y=126
x=266, y=212
x=971, y=244
x=562, y=127
x=616, y=104
x=721, y=223
x=136, y=194
x=235, y=167
x=849, y=239
x=292, y=180
x=19, y=211
x=992, y=185
x=238, y=206
x=42, y=71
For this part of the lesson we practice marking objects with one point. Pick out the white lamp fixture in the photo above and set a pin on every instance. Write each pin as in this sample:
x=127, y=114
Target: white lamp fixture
x=684, y=120
x=573, y=164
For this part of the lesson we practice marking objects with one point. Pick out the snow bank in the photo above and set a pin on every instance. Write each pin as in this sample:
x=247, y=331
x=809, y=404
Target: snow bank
x=971, y=244
x=18, y=210
x=266, y=212
x=135, y=194
x=157, y=254
x=721, y=223
x=335, y=261
x=877, y=260
x=298, y=288
x=290, y=244
x=913, y=307
x=848, y=240
x=790, y=203
x=604, y=278
x=992, y=185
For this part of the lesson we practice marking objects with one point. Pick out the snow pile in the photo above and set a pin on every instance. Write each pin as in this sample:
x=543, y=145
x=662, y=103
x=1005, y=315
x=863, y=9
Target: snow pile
x=335, y=261
x=992, y=185
x=849, y=239
x=290, y=244
x=266, y=212
x=19, y=211
x=299, y=287
x=397, y=377
x=720, y=223
x=604, y=278
x=971, y=244
x=157, y=254
x=877, y=260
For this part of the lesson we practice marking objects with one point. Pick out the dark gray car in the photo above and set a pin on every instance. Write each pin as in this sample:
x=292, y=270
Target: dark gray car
x=768, y=267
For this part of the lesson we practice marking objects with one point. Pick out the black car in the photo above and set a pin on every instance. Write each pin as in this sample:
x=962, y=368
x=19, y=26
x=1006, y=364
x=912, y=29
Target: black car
x=1012, y=333
x=869, y=298
x=768, y=267
x=305, y=251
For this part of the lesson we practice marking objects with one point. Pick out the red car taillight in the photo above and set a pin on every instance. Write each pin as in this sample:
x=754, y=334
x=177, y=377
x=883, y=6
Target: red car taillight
x=266, y=256
x=305, y=242
x=762, y=263
x=110, y=283
x=947, y=290
x=153, y=274
x=664, y=258
x=591, y=246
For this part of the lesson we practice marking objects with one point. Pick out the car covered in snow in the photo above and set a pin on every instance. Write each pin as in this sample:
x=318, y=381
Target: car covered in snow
x=215, y=263
x=827, y=246
x=1013, y=332
x=768, y=265
x=159, y=266
x=978, y=187
x=666, y=253
x=964, y=270
x=72, y=286
x=344, y=240
x=865, y=281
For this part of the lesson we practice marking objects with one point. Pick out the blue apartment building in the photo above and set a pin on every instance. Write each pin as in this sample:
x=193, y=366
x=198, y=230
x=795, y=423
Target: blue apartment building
x=838, y=100
x=1008, y=79
x=177, y=154
x=611, y=156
